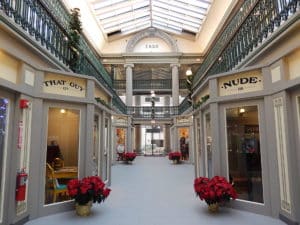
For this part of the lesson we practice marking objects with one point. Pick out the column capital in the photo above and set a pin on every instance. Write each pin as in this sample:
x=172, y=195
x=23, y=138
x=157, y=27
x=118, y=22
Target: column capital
x=129, y=65
x=175, y=64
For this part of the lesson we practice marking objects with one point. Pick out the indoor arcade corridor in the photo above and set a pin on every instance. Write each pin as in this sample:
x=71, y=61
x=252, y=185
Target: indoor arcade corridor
x=153, y=191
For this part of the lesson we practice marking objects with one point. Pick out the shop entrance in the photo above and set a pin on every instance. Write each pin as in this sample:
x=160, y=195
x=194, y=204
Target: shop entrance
x=153, y=140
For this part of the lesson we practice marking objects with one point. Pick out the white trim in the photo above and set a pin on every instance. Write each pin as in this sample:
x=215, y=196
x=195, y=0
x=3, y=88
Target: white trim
x=284, y=182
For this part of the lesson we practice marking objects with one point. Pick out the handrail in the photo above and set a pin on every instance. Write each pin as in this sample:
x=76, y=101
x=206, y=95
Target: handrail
x=47, y=21
x=154, y=84
x=148, y=112
x=256, y=21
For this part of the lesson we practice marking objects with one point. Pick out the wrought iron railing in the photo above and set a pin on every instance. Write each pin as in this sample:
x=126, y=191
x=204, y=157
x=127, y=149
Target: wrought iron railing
x=154, y=84
x=184, y=105
x=119, y=84
x=119, y=105
x=183, y=84
x=47, y=22
x=256, y=20
x=147, y=112
x=61, y=14
x=38, y=23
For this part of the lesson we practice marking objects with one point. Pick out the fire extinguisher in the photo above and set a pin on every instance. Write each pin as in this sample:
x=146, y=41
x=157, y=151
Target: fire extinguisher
x=21, y=185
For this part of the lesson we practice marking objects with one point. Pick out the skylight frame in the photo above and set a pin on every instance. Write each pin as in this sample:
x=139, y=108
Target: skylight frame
x=173, y=16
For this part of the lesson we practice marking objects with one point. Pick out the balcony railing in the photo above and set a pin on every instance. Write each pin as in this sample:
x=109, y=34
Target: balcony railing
x=38, y=23
x=184, y=105
x=146, y=112
x=46, y=22
x=154, y=84
x=250, y=26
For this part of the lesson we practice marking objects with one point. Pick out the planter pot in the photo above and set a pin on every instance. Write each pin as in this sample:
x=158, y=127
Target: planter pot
x=84, y=210
x=176, y=161
x=213, y=208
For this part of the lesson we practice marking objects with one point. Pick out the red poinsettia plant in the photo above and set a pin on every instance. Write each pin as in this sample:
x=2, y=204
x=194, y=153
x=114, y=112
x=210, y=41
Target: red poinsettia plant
x=88, y=189
x=215, y=190
x=127, y=156
x=175, y=156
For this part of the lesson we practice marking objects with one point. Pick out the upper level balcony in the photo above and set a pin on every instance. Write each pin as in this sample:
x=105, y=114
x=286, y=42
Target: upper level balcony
x=160, y=85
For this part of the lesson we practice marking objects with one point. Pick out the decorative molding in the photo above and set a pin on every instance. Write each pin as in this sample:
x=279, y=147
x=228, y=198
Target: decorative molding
x=151, y=32
x=284, y=183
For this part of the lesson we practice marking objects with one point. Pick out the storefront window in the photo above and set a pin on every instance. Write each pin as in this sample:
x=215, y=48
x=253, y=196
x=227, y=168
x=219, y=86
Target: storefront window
x=244, y=159
x=3, y=136
x=184, y=142
x=106, y=146
x=208, y=141
x=62, y=152
x=96, y=145
x=121, y=137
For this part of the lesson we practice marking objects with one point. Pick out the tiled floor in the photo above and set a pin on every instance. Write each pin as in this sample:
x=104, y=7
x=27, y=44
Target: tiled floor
x=153, y=191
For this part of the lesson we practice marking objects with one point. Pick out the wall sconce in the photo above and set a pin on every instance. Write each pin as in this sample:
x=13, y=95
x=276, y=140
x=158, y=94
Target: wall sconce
x=152, y=94
x=189, y=72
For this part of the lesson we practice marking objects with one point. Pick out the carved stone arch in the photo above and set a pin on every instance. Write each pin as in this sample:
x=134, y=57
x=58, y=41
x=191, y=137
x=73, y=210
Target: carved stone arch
x=151, y=32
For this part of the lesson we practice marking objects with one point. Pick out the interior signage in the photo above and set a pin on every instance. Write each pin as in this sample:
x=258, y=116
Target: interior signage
x=64, y=84
x=151, y=45
x=240, y=83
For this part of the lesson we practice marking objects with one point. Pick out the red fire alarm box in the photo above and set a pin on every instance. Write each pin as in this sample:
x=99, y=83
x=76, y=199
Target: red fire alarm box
x=24, y=104
x=21, y=186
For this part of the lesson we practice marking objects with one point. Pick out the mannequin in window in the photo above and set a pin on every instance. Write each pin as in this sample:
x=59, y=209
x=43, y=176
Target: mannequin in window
x=53, y=152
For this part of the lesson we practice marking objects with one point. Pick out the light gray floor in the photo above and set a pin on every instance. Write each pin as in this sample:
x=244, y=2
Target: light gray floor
x=153, y=191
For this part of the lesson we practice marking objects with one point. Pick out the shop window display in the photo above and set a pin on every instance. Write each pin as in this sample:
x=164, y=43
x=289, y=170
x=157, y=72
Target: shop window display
x=62, y=153
x=184, y=142
x=244, y=158
x=3, y=132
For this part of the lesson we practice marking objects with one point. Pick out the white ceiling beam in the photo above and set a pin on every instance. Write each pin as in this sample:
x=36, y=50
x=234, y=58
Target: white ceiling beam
x=176, y=19
x=132, y=4
x=178, y=10
x=125, y=18
x=177, y=15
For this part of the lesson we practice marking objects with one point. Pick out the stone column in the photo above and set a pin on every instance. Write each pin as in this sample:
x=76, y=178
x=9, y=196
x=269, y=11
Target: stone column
x=129, y=136
x=175, y=84
x=167, y=101
x=129, y=88
x=167, y=138
x=138, y=138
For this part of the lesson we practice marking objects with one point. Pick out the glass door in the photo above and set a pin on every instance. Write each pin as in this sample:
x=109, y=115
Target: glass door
x=62, y=152
x=96, y=145
x=106, y=149
x=207, y=145
x=243, y=149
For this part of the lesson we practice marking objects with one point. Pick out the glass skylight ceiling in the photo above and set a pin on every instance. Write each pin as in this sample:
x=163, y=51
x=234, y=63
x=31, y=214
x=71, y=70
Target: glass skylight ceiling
x=128, y=16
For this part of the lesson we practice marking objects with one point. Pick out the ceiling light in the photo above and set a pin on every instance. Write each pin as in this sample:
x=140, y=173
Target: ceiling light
x=242, y=110
x=62, y=111
x=189, y=72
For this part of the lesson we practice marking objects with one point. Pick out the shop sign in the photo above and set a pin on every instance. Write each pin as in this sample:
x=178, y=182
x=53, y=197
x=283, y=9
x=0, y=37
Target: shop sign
x=71, y=86
x=121, y=121
x=183, y=120
x=240, y=83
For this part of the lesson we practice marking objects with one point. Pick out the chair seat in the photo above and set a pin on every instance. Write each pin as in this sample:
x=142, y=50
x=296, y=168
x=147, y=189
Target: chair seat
x=61, y=186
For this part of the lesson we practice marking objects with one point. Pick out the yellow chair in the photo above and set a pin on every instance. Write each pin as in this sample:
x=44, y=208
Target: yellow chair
x=54, y=185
